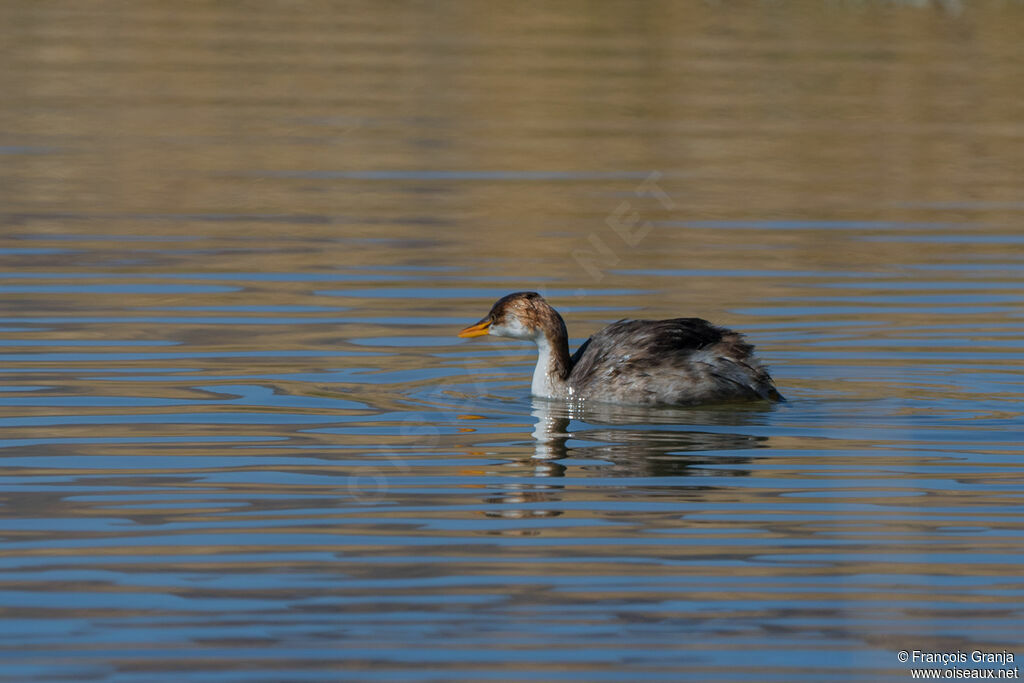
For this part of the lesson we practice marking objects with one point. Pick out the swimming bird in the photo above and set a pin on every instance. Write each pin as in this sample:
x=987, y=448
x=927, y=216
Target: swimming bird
x=682, y=361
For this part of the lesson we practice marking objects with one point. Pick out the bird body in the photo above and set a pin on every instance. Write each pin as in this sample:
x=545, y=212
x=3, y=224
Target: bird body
x=682, y=361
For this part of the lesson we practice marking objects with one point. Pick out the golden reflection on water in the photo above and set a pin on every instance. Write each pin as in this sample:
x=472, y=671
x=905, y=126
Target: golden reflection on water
x=236, y=423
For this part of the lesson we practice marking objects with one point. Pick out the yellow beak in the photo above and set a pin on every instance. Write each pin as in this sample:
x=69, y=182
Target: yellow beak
x=478, y=330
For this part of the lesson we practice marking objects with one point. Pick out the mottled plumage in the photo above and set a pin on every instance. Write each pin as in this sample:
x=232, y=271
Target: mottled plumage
x=683, y=361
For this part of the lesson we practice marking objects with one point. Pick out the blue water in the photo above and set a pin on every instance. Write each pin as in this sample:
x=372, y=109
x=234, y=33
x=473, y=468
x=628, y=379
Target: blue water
x=241, y=441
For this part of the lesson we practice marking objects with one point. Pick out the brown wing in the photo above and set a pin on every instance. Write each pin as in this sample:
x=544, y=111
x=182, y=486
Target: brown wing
x=642, y=345
x=681, y=360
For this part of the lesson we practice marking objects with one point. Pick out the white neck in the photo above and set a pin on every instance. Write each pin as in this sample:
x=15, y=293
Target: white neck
x=546, y=382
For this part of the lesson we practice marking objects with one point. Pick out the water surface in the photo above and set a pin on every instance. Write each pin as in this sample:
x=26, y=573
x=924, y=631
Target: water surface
x=240, y=440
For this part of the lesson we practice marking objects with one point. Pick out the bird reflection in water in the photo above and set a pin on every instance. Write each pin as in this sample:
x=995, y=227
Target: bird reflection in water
x=550, y=436
x=635, y=442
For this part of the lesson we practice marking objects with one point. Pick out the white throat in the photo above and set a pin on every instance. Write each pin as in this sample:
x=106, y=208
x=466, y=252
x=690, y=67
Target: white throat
x=546, y=383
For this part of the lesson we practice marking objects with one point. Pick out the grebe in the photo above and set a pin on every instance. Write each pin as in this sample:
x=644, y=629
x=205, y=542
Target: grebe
x=683, y=361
